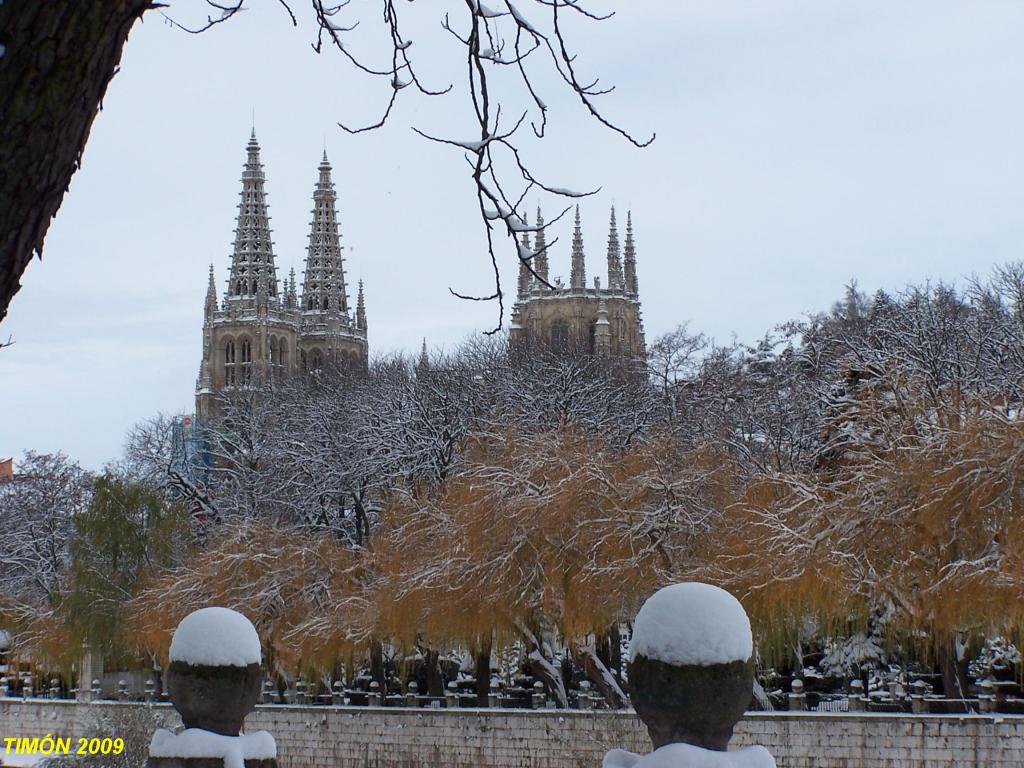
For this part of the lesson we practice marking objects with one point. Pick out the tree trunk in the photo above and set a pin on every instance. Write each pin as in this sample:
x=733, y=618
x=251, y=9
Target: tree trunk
x=60, y=56
x=542, y=665
x=598, y=673
x=435, y=684
x=952, y=665
x=609, y=651
x=483, y=671
x=377, y=665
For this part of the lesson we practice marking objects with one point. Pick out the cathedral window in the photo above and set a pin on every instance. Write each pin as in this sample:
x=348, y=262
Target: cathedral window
x=238, y=288
x=246, y=357
x=229, y=363
x=560, y=335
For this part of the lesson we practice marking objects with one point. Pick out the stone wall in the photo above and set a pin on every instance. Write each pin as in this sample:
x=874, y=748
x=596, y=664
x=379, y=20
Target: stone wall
x=364, y=737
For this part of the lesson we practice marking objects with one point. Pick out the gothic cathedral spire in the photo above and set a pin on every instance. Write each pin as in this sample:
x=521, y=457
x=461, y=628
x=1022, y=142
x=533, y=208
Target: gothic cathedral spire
x=578, y=272
x=211, y=295
x=360, y=309
x=525, y=278
x=540, y=250
x=615, y=278
x=252, y=263
x=323, y=288
x=629, y=256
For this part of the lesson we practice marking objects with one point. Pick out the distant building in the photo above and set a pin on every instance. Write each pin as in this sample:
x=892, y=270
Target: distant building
x=600, y=320
x=190, y=455
x=259, y=328
x=6, y=470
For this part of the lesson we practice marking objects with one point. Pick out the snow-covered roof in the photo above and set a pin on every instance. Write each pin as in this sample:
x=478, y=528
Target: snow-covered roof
x=216, y=637
x=692, y=623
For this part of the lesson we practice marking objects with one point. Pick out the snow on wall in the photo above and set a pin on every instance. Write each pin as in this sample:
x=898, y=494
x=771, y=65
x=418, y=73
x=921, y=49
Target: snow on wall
x=216, y=637
x=692, y=623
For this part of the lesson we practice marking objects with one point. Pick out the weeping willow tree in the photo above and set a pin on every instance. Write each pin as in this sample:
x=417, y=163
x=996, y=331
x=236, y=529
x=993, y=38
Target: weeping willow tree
x=923, y=515
x=547, y=539
x=305, y=593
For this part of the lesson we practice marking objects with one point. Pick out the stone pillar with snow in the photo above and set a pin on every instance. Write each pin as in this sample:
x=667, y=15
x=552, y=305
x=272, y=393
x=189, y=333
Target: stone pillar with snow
x=691, y=676
x=213, y=682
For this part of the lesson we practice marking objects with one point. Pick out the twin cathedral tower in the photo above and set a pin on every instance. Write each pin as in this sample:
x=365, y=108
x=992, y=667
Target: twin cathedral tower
x=259, y=327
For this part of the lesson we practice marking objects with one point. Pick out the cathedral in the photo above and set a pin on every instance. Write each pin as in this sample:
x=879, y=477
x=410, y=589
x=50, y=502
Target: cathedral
x=259, y=328
x=598, y=320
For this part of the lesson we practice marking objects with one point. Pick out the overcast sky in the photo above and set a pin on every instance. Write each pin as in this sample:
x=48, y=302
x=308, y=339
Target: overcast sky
x=799, y=145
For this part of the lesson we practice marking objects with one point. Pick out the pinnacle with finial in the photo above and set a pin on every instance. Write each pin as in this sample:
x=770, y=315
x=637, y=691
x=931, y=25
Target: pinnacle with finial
x=578, y=273
x=360, y=308
x=524, y=271
x=540, y=249
x=615, y=277
x=629, y=255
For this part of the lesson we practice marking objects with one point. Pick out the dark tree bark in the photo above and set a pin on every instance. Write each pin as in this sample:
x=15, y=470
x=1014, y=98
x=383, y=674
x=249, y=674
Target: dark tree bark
x=609, y=651
x=483, y=671
x=377, y=671
x=59, y=57
x=435, y=683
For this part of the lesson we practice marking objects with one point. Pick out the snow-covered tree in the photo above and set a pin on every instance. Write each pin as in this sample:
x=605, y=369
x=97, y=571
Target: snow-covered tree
x=38, y=513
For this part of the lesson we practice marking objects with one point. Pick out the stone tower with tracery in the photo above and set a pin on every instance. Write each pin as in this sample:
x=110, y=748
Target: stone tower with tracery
x=600, y=320
x=259, y=328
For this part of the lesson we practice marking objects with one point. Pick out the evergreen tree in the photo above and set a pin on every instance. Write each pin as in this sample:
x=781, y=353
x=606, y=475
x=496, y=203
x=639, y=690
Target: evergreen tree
x=127, y=532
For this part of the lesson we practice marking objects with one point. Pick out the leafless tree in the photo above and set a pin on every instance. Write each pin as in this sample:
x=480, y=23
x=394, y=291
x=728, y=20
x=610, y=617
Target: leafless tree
x=37, y=517
x=511, y=49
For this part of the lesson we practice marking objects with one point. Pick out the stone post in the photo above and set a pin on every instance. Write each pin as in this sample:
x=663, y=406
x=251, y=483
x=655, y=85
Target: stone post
x=54, y=688
x=797, y=697
x=213, y=681
x=337, y=693
x=90, y=667
x=300, y=691
x=856, y=697
x=494, y=693
x=26, y=687
x=374, y=699
x=5, y=688
x=97, y=689
x=986, y=698
x=412, y=691
x=584, y=700
x=452, y=695
x=537, y=699
x=918, y=702
x=122, y=690
x=150, y=690
x=691, y=676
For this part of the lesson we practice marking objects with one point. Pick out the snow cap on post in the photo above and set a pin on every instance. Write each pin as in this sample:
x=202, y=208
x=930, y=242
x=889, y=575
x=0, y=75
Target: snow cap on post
x=216, y=637
x=692, y=624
